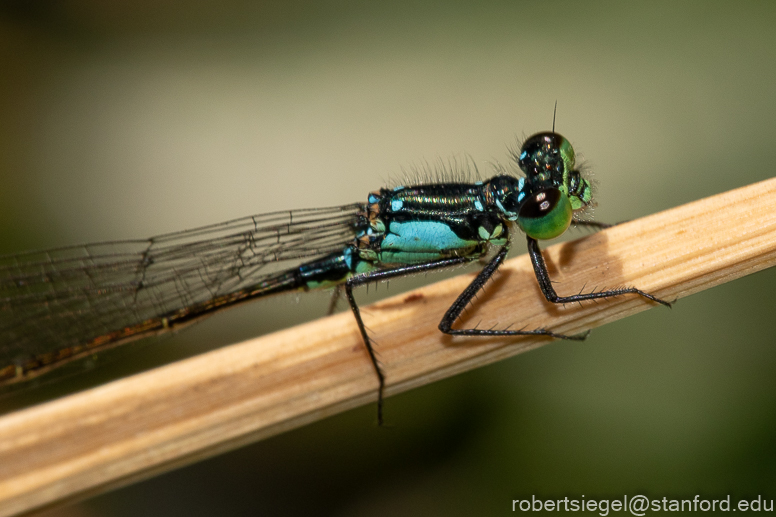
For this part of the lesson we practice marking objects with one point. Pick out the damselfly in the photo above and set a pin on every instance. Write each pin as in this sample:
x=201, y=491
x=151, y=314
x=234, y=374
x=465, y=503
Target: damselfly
x=62, y=304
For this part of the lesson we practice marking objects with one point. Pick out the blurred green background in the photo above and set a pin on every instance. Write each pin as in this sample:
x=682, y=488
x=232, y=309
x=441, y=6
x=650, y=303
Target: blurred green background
x=128, y=119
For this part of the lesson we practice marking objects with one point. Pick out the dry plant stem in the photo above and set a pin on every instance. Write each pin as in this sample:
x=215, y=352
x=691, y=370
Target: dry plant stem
x=135, y=427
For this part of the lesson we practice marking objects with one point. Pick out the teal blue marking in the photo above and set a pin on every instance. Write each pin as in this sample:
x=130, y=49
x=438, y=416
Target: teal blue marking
x=422, y=236
x=365, y=267
x=373, y=199
x=478, y=205
x=322, y=285
x=521, y=192
x=396, y=204
x=348, y=255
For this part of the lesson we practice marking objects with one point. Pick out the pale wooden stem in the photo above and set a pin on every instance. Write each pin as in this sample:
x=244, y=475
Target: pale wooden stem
x=138, y=426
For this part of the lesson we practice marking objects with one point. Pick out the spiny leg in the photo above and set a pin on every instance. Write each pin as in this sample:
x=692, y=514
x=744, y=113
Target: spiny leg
x=335, y=296
x=471, y=290
x=376, y=276
x=545, y=283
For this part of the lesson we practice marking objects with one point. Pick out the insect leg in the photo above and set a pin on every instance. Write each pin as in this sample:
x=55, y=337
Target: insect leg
x=543, y=277
x=376, y=276
x=335, y=296
x=466, y=296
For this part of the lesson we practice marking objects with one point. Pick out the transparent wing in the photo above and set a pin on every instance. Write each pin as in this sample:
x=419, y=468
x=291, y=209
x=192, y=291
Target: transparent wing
x=52, y=301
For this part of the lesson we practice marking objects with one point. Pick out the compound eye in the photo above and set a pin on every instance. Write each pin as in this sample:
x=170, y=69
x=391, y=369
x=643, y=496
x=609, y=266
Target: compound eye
x=546, y=214
x=545, y=153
